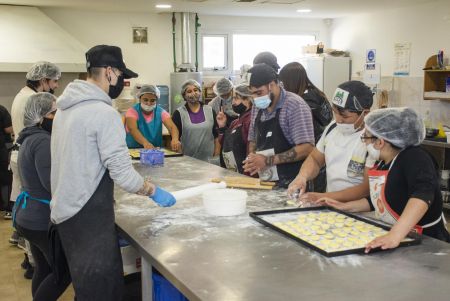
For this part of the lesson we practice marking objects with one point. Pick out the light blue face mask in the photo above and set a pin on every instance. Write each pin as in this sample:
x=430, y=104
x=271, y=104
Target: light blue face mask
x=262, y=102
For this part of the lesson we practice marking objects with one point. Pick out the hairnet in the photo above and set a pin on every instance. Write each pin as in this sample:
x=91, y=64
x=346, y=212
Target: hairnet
x=140, y=90
x=38, y=105
x=401, y=127
x=189, y=82
x=223, y=86
x=42, y=70
x=243, y=90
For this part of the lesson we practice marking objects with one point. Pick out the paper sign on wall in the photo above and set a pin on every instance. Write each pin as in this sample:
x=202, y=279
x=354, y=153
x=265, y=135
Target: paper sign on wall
x=402, y=54
x=372, y=74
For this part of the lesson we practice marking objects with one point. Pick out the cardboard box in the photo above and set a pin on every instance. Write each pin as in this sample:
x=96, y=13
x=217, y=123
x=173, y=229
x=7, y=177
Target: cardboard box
x=131, y=260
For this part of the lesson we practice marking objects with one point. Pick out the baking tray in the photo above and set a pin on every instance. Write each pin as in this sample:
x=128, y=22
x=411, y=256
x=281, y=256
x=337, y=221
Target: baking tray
x=282, y=221
x=134, y=153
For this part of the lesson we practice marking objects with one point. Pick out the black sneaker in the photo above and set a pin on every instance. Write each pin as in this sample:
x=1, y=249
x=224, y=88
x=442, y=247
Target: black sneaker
x=26, y=263
x=8, y=215
x=14, y=239
x=29, y=273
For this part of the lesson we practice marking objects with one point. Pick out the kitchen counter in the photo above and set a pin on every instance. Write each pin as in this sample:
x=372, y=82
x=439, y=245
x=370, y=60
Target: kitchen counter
x=236, y=258
x=436, y=143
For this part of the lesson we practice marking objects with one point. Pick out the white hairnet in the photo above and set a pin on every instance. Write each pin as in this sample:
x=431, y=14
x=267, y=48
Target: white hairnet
x=401, y=127
x=243, y=90
x=38, y=105
x=190, y=82
x=42, y=70
x=140, y=90
x=223, y=86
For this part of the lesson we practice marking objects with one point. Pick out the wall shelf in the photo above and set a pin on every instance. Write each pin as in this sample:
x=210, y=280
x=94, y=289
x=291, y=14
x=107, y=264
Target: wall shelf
x=434, y=81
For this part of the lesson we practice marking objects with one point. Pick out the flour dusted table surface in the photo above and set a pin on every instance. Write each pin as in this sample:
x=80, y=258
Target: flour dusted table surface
x=236, y=258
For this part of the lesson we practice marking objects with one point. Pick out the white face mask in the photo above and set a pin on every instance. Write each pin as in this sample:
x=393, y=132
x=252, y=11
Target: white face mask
x=348, y=129
x=373, y=153
x=147, y=108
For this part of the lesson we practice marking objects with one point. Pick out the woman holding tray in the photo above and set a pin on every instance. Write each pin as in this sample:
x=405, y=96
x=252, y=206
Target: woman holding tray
x=404, y=184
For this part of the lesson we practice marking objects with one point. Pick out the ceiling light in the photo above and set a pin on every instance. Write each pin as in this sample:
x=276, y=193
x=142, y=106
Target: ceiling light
x=163, y=6
x=307, y=10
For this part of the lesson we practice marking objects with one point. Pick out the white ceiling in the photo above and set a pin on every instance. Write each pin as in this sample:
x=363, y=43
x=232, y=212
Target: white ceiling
x=273, y=8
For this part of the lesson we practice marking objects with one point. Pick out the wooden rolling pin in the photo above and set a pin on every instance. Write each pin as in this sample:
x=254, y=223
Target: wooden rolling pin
x=245, y=182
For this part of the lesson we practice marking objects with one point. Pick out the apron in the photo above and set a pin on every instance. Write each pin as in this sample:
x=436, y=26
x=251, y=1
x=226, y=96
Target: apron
x=90, y=243
x=270, y=140
x=152, y=131
x=21, y=201
x=234, y=149
x=384, y=212
x=197, y=139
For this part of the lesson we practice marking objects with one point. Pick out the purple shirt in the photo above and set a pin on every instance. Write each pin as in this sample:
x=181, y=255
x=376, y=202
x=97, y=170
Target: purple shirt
x=198, y=117
x=295, y=119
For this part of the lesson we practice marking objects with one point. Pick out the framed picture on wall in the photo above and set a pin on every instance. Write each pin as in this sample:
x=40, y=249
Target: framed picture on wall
x=140, y=35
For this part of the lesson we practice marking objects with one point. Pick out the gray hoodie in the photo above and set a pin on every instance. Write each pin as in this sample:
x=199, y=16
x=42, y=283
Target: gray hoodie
x=88, y=138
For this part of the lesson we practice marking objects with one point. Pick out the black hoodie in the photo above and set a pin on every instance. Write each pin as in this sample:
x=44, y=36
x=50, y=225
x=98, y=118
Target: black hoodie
x=34, y=169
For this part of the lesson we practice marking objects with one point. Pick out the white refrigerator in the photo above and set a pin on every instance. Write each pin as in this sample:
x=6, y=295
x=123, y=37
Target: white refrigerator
x=326, y=73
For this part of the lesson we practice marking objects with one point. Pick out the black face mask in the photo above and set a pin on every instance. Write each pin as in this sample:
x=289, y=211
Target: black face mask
x=47, y=124
x=114, y=91
x=239, y=109
x=50, y=90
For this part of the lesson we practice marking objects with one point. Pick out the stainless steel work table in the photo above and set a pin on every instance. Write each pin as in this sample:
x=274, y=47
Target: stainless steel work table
x=236, y=258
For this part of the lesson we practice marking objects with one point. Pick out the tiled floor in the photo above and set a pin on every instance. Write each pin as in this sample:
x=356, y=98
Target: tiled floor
x=13, y=286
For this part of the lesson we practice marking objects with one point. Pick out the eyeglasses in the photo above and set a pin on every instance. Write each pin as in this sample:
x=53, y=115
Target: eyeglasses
x=364, y=138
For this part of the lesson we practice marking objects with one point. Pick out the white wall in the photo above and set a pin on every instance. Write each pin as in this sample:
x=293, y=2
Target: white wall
x=153, y=61
x=424, y=26
x=28, y=36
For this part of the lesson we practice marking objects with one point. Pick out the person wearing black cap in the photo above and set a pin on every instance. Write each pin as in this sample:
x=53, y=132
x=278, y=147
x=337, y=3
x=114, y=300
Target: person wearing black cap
x=281, y=134
x=340, y=149
x=89, y=155
x=267, y=58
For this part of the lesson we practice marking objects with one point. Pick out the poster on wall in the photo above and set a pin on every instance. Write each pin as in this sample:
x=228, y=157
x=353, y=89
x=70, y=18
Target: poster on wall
x=402, y=55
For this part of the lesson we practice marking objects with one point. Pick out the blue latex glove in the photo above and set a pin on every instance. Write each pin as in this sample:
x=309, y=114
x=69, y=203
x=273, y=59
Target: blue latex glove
x=163, y=198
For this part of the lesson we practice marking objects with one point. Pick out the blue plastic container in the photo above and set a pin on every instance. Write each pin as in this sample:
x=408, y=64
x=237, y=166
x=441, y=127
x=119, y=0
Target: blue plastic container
x=163, y=101
x=152, y=157
x=163, y=290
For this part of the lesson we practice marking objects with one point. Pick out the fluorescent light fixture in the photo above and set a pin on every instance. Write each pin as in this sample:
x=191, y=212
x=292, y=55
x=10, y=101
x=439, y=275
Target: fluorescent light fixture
x=163, y=6
x=306, y=10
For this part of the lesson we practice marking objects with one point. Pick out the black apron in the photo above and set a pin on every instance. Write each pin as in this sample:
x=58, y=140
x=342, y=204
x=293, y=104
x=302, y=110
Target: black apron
x=234, y=149
x=270, y=135
x=91, y=246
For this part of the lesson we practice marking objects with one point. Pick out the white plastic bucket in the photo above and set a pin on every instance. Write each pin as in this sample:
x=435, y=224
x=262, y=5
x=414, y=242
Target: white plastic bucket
x=225, y=202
